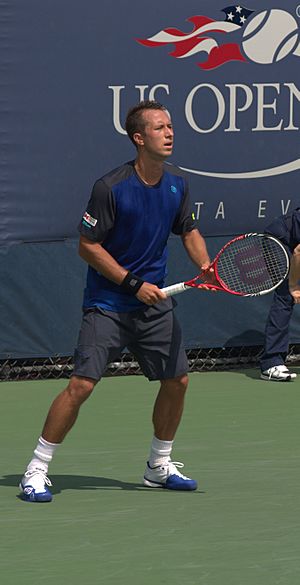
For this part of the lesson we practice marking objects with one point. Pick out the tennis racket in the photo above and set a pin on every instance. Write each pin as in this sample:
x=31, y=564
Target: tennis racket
x=249, y=265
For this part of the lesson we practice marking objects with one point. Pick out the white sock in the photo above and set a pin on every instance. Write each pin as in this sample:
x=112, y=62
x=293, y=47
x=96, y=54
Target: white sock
x=43, y=452
x=160, y=451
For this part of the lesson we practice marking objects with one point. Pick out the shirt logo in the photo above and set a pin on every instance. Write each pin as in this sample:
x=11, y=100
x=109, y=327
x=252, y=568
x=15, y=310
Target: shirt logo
x=173, y=189
x=89, y=219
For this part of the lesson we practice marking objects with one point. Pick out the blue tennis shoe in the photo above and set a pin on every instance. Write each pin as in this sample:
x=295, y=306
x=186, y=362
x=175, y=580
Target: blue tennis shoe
x=34, y=484
x=167, y=475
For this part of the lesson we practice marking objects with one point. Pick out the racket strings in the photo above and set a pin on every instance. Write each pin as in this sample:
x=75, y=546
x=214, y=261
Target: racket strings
x=252, y=265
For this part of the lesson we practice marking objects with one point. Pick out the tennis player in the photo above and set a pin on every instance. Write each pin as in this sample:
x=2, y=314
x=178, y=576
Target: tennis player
x=123, y=238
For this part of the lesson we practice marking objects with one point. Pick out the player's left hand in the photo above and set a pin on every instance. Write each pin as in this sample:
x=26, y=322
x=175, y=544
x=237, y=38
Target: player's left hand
x=209, y=277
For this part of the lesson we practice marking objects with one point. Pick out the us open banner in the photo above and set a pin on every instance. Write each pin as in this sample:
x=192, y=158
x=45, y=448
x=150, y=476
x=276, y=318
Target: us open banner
x=228, y=74
x=230, y=77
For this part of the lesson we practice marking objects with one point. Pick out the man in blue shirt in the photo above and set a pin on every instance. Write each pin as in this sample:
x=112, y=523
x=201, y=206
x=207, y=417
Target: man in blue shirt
x=123, y=238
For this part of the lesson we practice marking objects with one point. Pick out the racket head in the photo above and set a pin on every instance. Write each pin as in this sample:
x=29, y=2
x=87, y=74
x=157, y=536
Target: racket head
x=252, y=265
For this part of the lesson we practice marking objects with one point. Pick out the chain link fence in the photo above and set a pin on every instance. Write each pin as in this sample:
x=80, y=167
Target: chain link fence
x=200, y=360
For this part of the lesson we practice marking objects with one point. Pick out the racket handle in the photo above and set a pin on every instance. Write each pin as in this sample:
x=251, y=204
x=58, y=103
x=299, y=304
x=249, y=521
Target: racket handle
x=174, y=289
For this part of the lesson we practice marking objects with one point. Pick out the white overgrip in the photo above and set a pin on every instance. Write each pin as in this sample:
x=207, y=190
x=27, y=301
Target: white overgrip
x=174, y=289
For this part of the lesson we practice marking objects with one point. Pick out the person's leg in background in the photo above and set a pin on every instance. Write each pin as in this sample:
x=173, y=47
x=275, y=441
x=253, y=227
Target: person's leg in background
x=272, y=362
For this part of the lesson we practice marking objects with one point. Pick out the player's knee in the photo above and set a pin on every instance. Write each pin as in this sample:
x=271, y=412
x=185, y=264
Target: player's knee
x=79, y=389
x=183, y=382
x=178, y=384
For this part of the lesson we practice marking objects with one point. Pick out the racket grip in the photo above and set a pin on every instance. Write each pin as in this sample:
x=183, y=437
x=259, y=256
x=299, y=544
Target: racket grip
x=174, y=289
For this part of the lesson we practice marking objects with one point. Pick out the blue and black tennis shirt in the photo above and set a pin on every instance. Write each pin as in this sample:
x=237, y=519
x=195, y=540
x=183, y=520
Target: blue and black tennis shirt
x=133, y=221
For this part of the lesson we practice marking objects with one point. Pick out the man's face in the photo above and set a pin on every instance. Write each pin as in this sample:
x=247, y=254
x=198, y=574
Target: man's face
x=157, y=137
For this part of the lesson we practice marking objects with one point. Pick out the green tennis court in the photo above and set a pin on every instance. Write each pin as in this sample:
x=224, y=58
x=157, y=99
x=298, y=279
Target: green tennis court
x=240, y=439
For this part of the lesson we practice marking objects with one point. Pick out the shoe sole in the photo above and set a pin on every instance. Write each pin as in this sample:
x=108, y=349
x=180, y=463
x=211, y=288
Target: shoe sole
x=27, y=499
x=288, y=378
x=151, y=484
x=186, y=488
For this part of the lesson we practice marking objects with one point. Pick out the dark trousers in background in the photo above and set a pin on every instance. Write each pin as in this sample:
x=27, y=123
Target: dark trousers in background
x=277, y=328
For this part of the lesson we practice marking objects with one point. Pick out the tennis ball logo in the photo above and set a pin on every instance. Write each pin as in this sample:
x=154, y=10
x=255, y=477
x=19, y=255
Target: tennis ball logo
x=270, y=36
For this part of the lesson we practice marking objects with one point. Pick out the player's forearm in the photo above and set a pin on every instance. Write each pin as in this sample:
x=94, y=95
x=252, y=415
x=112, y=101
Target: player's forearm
x=294, y=274
x=97, y=257
x=195, y=246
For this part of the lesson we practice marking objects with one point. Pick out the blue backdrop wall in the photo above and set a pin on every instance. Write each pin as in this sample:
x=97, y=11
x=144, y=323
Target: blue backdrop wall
x=70, y=70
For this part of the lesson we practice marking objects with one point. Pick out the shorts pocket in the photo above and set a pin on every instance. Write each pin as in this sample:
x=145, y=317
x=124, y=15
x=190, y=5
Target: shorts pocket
x=81, y=356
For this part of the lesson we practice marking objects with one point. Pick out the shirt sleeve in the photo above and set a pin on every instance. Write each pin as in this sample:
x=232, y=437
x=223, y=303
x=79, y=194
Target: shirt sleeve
x=286, y=228
x=295, y=232
x=99, y=216
x=185, y=219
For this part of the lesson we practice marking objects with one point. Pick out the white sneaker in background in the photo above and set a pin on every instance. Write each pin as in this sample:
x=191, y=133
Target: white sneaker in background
x=278, y=374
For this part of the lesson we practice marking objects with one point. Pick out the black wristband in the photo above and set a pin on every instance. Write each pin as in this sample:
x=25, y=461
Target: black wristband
x=131, y=283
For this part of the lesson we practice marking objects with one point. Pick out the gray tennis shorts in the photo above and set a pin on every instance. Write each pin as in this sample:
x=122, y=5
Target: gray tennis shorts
x=152, y=335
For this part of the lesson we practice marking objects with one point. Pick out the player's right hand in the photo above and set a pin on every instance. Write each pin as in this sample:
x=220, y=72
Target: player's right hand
x=150, y=294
